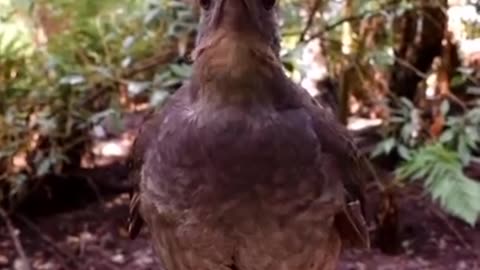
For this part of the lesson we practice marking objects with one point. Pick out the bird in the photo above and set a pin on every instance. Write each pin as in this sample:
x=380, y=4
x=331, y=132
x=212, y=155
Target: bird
x=241, y=169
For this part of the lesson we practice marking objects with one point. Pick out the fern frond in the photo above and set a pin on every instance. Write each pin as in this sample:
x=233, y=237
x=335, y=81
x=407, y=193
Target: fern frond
x=441, y=171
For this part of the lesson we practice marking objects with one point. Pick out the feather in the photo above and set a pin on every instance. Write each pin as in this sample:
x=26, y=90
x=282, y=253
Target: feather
x=135, y=221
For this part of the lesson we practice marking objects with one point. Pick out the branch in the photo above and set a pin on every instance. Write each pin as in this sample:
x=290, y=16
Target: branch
x=383, y=10
x=334, y=25
x=16, y=241
x=311, y=17
x=151, y=63
x=407, y=64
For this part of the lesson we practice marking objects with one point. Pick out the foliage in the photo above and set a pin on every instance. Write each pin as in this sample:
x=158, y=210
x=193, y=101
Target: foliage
x=440, y=165
x=435, y=142
x=50, y=96
x=403, y=130
x=441, y=171
x=462, y=134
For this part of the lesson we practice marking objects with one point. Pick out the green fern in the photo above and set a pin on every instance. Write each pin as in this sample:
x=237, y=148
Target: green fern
x=442, y=172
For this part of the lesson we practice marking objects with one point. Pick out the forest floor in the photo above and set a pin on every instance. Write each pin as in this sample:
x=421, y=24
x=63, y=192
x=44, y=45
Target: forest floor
x=94, y=238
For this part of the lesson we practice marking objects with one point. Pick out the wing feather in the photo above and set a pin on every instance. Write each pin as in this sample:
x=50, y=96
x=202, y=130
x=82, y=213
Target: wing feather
x=355, y=170
x=149, y=129
x=134, y=163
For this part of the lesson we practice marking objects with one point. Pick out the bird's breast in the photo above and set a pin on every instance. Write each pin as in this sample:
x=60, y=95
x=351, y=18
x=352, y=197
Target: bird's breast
x=235, y=159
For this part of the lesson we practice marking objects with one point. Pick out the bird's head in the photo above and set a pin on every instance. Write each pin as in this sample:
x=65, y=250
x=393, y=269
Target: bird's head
x=237, y=39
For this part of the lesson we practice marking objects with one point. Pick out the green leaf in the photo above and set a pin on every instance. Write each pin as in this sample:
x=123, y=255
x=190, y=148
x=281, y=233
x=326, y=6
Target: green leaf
x=388, y=145
x=463, y=150
x=44, y=167
x=472, y=90
x=135, y=88
x=445, y=107
x=384, y=147
x=447, y=136
x=458, y=81
x=183, y=71
x=404, y=152
x=442, y=173
x=158, y=98
x=377, y=151
x=406, y=132
x=407, y=103
x=397, y=119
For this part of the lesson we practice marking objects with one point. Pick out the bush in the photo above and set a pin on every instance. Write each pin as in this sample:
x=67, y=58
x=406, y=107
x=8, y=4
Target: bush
x=52, y=92
x=440, y=163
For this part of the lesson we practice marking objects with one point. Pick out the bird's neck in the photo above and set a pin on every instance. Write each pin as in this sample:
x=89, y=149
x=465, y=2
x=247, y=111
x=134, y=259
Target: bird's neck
x=229, y=70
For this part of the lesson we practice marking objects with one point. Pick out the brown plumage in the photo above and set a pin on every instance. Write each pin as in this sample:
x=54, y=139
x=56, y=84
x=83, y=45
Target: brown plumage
x=242, y=169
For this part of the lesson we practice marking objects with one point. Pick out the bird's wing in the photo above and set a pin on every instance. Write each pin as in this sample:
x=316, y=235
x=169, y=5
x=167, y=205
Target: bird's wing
x=134, y=163
x=148, y=131
x=337, y=143
x=355, y=170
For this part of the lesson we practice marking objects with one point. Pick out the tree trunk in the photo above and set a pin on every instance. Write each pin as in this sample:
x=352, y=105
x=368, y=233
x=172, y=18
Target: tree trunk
x=418, y=40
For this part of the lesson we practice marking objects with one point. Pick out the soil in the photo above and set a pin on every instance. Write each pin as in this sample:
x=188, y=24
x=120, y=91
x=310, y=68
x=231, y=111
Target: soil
x=95, y=238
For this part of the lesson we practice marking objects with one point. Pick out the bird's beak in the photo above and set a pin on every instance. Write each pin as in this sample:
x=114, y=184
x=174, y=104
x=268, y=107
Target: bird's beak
x=238, y=14
x=252, y=10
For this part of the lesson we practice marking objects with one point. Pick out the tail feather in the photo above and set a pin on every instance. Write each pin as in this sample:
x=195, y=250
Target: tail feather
x=135, y=221
x=352, y=227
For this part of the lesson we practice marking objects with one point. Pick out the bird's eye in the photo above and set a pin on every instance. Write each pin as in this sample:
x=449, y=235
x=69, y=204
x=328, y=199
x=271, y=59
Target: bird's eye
x=205, y=4
x=268, y=4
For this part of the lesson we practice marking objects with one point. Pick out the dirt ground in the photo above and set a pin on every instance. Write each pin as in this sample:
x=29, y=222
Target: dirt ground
x=94, y=238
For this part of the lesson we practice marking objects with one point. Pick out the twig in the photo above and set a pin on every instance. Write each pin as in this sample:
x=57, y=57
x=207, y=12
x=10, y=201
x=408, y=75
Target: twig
x=16, y=241
x=95, y=189
x=150, y=63
x=97, y=93
x=406, y=64
x=311, y=17
x=334, y=25
x=67, y=258
x=384, y=10
x=457, y=100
